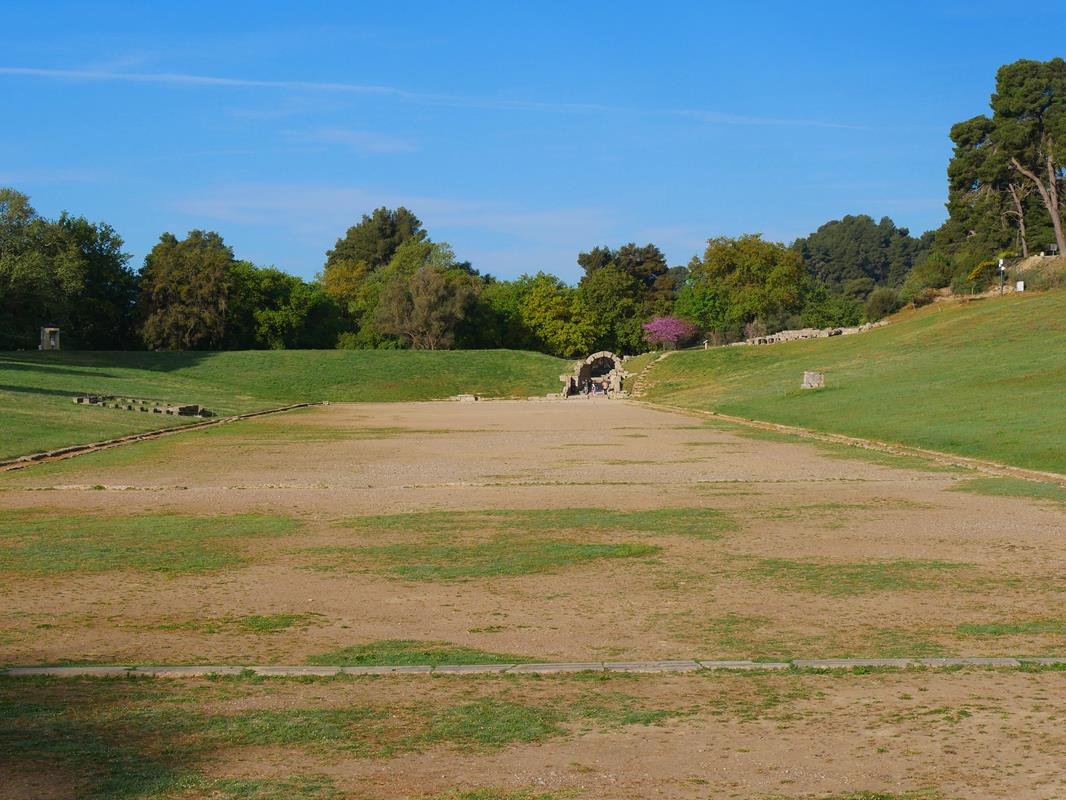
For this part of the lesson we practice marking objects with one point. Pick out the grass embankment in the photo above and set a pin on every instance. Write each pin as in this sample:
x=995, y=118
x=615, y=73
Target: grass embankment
x=36, y=412
x=985, y=379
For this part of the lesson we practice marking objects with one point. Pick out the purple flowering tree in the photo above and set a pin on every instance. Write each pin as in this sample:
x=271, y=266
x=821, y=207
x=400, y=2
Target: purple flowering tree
x=668, y=332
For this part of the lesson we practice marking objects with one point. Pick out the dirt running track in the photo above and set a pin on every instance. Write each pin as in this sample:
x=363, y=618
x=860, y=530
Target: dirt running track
x=823, y=556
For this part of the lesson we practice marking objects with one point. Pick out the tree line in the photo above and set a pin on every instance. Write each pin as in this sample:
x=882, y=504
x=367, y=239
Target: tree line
x=387, y=284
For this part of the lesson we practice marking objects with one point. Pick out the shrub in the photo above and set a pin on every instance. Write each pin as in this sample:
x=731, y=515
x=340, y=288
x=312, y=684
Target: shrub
x=933, y=272
x=924, y=297
x=831, y=311
x=882, y=302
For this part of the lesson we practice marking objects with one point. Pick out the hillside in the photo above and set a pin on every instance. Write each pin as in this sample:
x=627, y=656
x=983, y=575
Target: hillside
x=984, y=379
x=36, y=412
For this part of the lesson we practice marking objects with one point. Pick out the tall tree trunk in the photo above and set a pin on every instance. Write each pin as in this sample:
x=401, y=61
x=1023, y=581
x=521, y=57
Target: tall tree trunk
x=1056, y=217
x=1050, y=196
x=1019, y=210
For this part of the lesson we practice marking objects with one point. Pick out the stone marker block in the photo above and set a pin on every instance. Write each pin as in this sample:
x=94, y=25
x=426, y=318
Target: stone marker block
x=279, y=671
x=743, y=664
x=366, y=670
x=969, y=662
x=470, y=669
x=417, y=669
x=583, y=666
x=185, y=671
x=848, y=663
x=651, y=666
x=813, y=380
x=66, y=672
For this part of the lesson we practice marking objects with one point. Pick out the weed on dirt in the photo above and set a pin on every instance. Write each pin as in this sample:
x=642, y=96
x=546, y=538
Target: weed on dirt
x=254, y=623
x=820, y=577
x=125, y=738
x=46, y=543
x=503, y=555
x=701, y=523
x=407, y=652
x=1014, y=487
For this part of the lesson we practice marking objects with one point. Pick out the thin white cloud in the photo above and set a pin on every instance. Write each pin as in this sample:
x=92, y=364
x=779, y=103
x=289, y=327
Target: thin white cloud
x=8, y=177
x=716, y=118
x=366, y=142
x=522, y=239
x=310, y=209
x=419, y=98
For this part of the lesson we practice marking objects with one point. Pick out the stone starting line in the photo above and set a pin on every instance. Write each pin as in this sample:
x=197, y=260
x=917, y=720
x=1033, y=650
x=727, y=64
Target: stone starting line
x=528, y=669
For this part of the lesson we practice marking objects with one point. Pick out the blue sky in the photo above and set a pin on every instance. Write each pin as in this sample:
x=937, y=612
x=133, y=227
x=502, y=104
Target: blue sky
x=520, y=132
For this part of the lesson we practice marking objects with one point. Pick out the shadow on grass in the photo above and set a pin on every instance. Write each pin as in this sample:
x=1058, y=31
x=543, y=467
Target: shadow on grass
x=121, y=738
x=74, y=729
x=9, y=364
x=66, y=362
x=7, y=387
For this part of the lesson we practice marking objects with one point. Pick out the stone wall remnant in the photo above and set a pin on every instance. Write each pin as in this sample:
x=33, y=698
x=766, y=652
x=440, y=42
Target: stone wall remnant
x=146, y=406
x=810, y=333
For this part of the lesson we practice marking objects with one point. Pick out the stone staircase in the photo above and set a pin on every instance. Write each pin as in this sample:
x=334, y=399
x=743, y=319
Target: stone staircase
x=640, y=383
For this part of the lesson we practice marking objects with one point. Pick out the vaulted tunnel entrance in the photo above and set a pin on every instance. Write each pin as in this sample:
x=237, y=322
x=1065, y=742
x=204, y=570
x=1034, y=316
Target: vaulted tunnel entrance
x=599, y=374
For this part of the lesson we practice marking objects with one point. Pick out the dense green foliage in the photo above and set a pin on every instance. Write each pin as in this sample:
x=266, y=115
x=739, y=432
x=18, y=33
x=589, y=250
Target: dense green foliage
x=387, y=285
x=981, y=379
x=853, y=255
x=36, y=388
x=747, y=287
x=194, y=295
x=1005, y=178
x=68, y=272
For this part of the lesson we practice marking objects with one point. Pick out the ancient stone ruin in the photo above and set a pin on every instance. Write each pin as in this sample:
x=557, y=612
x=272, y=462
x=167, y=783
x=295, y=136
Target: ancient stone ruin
x=49, y=338
x=599, y=374
x=810, y=333
x=146, y=406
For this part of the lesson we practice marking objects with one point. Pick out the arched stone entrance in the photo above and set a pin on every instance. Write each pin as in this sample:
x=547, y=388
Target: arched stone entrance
x=599, y=374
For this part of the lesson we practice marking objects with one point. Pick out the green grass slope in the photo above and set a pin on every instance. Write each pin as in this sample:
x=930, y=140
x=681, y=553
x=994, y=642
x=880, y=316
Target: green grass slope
x=36, y=411
x=985, y=379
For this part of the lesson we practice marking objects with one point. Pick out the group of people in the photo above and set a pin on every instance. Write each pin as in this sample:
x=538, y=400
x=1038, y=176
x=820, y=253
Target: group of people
x=589, y=388
x=595, y=387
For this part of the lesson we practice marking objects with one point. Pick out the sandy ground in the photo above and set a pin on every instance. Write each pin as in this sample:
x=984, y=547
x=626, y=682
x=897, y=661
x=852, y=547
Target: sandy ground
x=697, y=598
x=962, y=734
x=708, y=598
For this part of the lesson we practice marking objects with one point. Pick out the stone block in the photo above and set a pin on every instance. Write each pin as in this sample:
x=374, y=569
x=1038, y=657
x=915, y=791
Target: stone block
x=848, y=663
x=651, y=666
x=418, y=669
x=186, y=671
x=470, y=669
x=546, y=669
x=68, y=672
x=296, y=671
